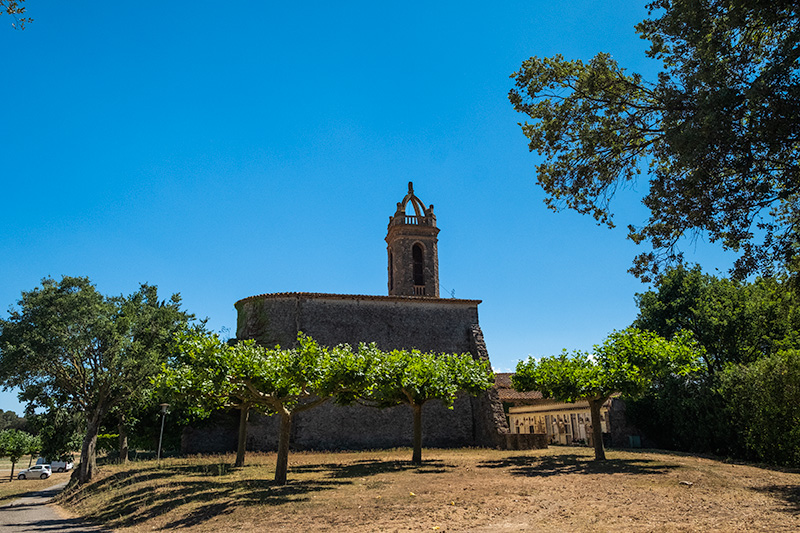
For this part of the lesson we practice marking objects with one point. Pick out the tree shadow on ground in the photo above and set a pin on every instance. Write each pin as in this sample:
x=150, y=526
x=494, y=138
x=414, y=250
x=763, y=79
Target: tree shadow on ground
x=145, y=474
x=204, y=493
x=371, y=467
x=47, y=492
x=76, y=493
x=142, y=501
x=554, y=465
x=8, y=498
x=58, y=525
x=208, y=469
x=789, y=494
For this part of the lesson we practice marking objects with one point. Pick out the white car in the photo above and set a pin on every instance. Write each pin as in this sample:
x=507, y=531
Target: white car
x=56, y=466
x=36, y=471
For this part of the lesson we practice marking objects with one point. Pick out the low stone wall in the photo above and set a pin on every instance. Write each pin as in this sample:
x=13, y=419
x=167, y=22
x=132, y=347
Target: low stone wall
x=525, y=441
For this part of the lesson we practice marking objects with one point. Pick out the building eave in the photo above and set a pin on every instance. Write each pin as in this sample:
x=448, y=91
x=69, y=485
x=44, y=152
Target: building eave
x=358, y=297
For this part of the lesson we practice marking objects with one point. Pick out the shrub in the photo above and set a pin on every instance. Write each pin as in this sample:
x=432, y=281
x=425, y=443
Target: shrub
x=764, y=399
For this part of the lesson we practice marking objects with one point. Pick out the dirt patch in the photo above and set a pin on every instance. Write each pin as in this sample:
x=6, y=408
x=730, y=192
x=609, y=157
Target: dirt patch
x=560, y=489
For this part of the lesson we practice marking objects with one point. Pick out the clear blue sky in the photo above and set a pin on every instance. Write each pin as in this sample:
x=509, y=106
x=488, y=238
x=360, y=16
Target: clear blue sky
x=222, y=150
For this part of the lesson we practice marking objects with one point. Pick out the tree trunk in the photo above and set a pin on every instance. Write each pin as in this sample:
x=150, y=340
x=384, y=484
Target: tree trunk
x=12, y=471
x=416, y=457
x=244, y=415
x=282, y=466
x=88, y=466
x=123, y=440
x=597, y=431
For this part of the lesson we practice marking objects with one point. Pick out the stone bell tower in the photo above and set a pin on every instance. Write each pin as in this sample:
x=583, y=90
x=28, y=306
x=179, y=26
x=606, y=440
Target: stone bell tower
x=412, y=247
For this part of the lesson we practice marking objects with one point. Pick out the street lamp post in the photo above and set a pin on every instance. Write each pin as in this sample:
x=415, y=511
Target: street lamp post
x=164, y=407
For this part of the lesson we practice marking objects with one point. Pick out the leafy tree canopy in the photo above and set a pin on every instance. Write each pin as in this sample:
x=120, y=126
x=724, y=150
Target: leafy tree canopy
x=68, y=344
x=739, y=325
x=61, y=431
x=414, y=378
x=209, y=374
x=197, y=377
x=718, y=131
x=10, y=420
x=735, y=322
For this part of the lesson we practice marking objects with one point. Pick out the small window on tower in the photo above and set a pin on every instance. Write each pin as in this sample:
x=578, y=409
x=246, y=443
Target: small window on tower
x=417, y=256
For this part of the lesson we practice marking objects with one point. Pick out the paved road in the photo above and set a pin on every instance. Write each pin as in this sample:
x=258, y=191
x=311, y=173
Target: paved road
x=32, y=514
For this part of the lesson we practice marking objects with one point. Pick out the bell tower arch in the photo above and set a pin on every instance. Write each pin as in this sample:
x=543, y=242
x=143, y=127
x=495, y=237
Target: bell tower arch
x=412, y=249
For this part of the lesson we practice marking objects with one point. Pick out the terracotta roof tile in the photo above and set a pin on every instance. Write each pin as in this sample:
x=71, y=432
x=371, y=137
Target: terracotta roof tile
x=512, y=395
x=502, y=379
x=502, y=382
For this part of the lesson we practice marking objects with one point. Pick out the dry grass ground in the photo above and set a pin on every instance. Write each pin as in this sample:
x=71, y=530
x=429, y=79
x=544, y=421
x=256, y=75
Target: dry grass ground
x=560, y=489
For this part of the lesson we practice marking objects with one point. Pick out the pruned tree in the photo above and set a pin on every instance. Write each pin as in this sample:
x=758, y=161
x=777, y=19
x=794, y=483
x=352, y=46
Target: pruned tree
x=414, y=378
x=291, y=381
x=717, y=132
x=627, y=363
x=278, y=381
x=66, y=340
x=200, y=379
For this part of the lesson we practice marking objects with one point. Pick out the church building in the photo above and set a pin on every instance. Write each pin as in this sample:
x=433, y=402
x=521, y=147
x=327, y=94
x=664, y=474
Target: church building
x=412, y=315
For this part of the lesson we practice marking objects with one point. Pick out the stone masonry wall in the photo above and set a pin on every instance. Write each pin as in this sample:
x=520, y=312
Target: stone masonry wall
x=428, y=324
x=335, y=427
